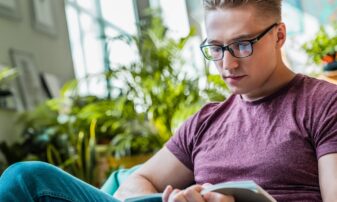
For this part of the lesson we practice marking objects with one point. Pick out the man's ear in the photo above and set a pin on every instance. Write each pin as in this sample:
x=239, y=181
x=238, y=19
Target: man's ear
x=281, y=35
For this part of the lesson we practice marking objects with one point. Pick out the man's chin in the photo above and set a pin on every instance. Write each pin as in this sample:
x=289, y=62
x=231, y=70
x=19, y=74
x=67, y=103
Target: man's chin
x=235, y=90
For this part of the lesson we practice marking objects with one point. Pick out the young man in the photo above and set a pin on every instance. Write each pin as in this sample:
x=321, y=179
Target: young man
x=278, y=128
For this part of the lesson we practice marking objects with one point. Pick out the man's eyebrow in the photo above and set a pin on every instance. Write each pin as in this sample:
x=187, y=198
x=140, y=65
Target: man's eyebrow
x=238, y=38
x=213, y=42
x=243, y=37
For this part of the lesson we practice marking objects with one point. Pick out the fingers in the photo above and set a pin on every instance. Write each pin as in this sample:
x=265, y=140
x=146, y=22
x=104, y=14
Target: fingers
x=190, y=194
x=174, y=195
x=168, y=190
x=217, y=197
x=193, y=193
x=206, y=185
x=177, y=196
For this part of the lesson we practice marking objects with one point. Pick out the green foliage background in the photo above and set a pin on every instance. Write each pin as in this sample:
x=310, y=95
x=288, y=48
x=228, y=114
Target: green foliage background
x=137, y=118
x=324, y=43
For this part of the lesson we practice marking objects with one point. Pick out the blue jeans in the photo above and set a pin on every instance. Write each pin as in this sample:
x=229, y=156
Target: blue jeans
x=38, y=181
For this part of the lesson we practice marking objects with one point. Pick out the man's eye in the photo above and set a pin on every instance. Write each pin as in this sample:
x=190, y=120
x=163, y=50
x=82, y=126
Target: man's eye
x=242, y=45
x=215, y=48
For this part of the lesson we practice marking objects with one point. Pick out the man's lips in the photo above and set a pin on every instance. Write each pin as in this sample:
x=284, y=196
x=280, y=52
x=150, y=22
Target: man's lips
x=233, y=77
x=233, y=80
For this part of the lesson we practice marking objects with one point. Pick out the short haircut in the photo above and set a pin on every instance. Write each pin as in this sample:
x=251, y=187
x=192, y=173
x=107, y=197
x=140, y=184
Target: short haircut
x=265, y=8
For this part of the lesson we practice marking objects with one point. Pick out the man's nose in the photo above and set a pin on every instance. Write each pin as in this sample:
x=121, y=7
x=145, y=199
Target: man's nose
x=229, y=61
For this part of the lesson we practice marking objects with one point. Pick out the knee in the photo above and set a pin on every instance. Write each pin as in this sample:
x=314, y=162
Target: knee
x=23, y=180
x=26, y=170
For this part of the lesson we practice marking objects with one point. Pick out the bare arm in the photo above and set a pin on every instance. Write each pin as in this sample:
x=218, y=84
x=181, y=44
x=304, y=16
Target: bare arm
x=327, y=167
x=161, y=170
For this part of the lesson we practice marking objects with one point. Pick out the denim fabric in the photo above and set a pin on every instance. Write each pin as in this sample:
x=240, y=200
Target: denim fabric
x=38, y=181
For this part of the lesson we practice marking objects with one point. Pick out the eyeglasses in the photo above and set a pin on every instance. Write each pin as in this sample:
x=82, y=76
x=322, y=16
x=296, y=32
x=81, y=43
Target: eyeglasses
x=238, y=49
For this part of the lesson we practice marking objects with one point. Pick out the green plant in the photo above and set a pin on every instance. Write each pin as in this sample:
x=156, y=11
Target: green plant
x=137, y=118
x=59, y=136
x=156, y=81
x=323, y=48
x=116, y=117
x=82, y=161
x=7, y=74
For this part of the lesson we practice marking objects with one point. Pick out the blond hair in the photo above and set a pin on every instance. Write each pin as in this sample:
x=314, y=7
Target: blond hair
x=265, y=8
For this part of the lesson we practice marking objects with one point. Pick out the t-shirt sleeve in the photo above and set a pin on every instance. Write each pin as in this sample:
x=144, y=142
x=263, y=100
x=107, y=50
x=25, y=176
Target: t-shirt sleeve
x=182, y=142
x=325, y=139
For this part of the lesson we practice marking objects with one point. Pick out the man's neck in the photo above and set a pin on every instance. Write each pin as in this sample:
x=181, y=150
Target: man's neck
x=279, y=78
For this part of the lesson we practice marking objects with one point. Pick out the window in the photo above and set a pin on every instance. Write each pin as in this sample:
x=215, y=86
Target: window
x=177, y=21
x=178, y=25
x=91, y=25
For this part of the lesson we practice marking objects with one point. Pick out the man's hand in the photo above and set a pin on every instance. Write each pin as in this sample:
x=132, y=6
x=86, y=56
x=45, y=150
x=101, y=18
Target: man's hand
x=147, y=179
x=193, y=194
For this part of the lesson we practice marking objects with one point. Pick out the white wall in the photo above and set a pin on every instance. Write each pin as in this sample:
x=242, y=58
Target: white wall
x=51, y=54
x=10, y=131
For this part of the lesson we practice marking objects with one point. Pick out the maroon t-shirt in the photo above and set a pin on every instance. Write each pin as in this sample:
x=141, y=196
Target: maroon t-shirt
x=275, y=141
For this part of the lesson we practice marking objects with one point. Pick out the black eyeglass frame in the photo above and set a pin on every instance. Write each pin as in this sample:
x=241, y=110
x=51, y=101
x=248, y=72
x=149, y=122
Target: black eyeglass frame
x=224, y=48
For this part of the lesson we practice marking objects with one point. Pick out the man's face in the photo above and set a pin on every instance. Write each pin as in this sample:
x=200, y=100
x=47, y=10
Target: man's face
x=247, y=75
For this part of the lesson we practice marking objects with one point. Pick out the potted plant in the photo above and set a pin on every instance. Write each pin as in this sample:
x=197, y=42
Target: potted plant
x=134, y=121
x=323, y=50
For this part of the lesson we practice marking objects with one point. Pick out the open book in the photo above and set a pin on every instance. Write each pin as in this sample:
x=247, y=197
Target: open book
x=243, y=191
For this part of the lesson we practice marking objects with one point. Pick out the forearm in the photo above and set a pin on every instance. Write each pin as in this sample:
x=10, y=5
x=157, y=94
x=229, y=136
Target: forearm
x=135, y=185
